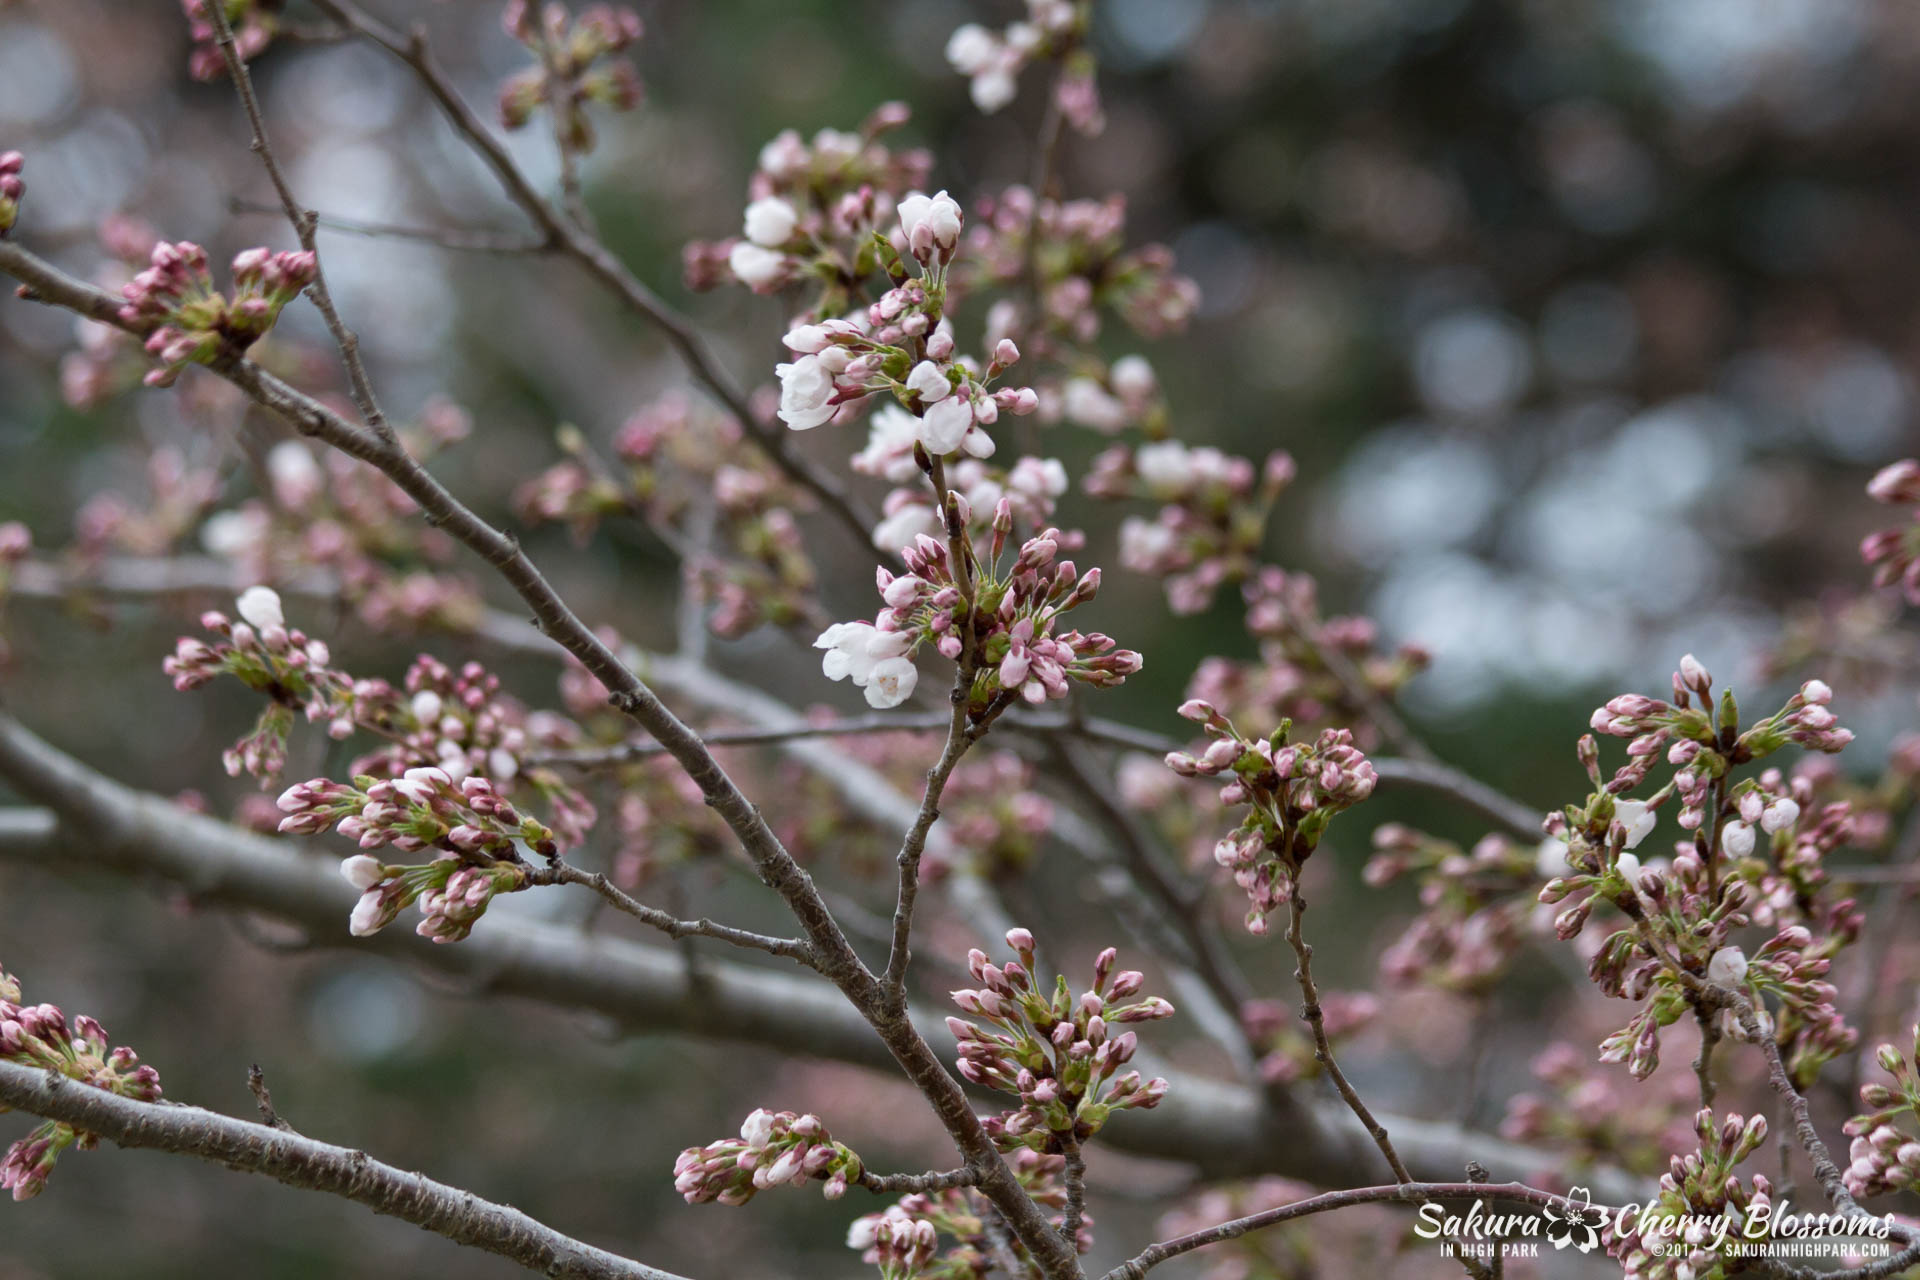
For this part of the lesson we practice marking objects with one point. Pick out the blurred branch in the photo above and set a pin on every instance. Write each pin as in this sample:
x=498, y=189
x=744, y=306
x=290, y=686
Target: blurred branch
x=576, y=242
x=446, y=238
x=301, y=1162
x=93, y=823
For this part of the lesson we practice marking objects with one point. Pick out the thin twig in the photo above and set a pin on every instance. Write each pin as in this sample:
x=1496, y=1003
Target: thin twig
x=1315, y=1018
x=443, y=237
x=303, y=220
x=795, y=949
x=263, y=1098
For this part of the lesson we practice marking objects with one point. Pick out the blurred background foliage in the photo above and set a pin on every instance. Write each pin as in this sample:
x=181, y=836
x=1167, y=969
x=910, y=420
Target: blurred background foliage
x=1586, y=320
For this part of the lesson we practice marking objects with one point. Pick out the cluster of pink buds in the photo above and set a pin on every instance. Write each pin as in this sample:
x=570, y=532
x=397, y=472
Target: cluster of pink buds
x=1083, y=265
x=901, y=1244
x=253, y=23
x=1005, y=621
x=1474, y=905
x=193, y=323
x=1287, y=1055
x=1893, y=553
x=813, y=211
x=1704, y=741
x=12, y=189
x=1293, y=678
x=41, y=1036
x=774, y=1148
x=461, y=724
x=575, y=65
x=269, y=657
x=1675, y=1236
x=1052, y=30
x=475, y=829
x=454, y=890
x=1291, y=792
x=421, y=808
x=1596, y=1117
x=1214, y=519
x=902, y=1239
x=1885, y=1158
x=1059, y=1054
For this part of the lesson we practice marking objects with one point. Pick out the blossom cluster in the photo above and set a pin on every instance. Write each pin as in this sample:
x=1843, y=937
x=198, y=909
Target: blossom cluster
x=341, y=517
x=1053, y=30
x=253, y=23
x=1596, y=1118
x=901, y=345
x=1077, y=253
x=690, y=473
x=774, y=1147
x=1895, y=553
x=1474, y=906
x=474, y=830
x=1213, y=519
x=813, y=212
x=575, y=65
x=1291, y=792
x=1004, y=622
x=1747, y=851
x=904, y=1240
x=41, y=1036
x=1673, y=1237
x=190, y=321
x=293, y=669
x=12, y=189
x=1295, y=676
x=1058, y=1053
x=1885, y=1157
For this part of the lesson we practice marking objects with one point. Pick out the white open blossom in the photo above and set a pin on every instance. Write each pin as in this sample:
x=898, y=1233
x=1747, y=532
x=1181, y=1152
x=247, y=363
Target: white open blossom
x=873, y=659
x=756, y=266
x=946, y=424
x=770, y=222
x=260, y=608
x=806, y=388
x=1637, y=818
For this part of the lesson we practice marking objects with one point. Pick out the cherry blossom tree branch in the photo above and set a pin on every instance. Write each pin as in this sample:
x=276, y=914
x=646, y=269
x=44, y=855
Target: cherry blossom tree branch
x=887, y=1184
x=302, y=1162
x=834, y=956
x=96, y=824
